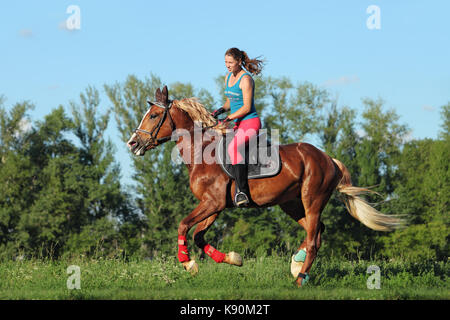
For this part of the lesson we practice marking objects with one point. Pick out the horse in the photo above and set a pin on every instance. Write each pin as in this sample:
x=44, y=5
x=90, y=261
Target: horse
x=302, y=188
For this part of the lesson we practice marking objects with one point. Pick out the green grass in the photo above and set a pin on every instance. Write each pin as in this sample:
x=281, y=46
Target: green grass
x=265, y=278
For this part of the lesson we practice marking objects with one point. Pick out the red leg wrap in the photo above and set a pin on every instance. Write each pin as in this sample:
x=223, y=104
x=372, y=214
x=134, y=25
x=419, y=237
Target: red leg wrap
x=215, y=254
x=183, y=254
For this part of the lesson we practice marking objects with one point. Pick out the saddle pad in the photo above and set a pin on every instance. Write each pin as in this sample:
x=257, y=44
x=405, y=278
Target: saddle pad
x=263, y=159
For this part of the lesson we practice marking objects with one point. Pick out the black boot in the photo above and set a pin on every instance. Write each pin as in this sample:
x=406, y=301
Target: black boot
x=241, y=198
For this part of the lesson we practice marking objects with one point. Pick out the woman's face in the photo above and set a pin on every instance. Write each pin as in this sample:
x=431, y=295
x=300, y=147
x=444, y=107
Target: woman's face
x=231, y=64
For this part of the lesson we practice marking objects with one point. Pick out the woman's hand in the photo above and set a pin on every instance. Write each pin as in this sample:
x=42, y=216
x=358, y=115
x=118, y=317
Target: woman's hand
x=218, y=112
x=221, y=110
x=224, y=121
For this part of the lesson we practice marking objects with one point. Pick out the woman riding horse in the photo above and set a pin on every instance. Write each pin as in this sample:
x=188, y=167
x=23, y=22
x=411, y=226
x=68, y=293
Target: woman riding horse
x=239, y=90
x=302, y=188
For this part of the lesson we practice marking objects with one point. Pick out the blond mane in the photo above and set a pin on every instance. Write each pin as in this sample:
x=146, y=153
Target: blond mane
x=198, y=113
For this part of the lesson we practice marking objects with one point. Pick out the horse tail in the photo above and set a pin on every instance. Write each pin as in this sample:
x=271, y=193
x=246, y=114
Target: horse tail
x=359, y=208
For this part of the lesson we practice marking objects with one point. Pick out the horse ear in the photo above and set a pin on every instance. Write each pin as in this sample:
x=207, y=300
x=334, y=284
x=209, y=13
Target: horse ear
x=165, y=94
x=158, y=95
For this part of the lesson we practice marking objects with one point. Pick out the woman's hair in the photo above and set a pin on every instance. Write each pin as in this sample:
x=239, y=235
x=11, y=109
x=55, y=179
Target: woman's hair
x=254, y=66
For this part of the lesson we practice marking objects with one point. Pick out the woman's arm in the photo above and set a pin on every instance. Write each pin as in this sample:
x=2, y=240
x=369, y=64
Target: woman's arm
x=226, y=105
x=247, y=93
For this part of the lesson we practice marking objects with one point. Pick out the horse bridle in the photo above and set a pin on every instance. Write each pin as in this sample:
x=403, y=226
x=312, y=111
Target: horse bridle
x=154, y=134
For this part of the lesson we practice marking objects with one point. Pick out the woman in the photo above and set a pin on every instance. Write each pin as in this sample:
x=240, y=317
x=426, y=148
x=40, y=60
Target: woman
x=239, y=90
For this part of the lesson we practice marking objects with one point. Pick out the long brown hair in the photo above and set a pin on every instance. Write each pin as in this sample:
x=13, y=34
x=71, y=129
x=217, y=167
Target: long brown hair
x=254, y=66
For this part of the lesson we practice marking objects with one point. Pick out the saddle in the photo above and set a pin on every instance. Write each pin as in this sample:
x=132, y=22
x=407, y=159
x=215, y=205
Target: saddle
x=262, y=158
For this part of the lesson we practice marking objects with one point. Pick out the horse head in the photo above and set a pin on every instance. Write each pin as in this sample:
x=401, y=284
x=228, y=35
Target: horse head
x=156, y=126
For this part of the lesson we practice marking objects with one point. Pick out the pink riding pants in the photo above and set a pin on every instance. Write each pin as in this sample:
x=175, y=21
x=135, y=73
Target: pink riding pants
x=245, y=130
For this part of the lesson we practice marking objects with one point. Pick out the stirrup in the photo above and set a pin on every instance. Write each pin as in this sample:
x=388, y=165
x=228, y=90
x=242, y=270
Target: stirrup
x=243, y=202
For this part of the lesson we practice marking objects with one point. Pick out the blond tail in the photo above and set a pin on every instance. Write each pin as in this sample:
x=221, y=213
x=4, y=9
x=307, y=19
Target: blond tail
x=360, y=209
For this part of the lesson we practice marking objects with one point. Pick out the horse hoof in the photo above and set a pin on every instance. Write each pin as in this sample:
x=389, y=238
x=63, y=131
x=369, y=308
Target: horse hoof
x=296, y=267
x=191, y=266
x=302, y=281
x=234, y=259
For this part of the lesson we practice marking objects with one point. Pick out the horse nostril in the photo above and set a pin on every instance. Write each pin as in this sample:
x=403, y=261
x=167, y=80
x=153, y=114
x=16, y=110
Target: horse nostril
x=131, y=143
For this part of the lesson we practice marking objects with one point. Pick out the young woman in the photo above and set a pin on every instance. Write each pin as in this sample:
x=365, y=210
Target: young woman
x=239, y=90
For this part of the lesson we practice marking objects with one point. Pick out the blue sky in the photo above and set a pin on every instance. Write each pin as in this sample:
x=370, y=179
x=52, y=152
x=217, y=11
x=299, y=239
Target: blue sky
x=405, y=62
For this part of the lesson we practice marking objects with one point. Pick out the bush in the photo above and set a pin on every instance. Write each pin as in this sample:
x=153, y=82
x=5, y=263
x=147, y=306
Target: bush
x=98, y=239
x=419, y=242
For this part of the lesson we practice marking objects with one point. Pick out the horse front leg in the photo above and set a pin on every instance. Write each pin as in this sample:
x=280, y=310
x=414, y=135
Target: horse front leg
x=232, y=258
x=204, y=210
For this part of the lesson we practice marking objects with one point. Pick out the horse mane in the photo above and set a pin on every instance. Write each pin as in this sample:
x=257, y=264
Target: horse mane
x=198, y=113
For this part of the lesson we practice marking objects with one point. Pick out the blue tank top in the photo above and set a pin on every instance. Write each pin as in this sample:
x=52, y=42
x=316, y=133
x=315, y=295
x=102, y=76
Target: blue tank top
x=234, y=94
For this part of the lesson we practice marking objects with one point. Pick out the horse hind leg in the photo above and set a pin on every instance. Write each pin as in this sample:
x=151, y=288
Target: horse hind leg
x=314, y=228
x=318, y=238
x=296, y=211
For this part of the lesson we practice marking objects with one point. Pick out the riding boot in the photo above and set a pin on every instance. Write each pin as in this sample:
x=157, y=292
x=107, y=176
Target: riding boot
x=241, y=198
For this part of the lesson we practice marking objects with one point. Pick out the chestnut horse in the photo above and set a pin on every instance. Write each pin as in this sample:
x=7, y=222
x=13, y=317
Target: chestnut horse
x=302, y=188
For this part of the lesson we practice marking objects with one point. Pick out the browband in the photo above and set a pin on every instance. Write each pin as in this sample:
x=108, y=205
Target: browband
x=160, y=105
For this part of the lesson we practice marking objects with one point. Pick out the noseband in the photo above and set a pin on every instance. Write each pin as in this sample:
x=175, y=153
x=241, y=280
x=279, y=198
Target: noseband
x=153, y=134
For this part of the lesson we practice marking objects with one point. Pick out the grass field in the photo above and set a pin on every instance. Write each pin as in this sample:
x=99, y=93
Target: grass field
x=266, y=278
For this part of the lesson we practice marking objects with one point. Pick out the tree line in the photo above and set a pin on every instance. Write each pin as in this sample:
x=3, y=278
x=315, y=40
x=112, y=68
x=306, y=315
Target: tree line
x=61, y=193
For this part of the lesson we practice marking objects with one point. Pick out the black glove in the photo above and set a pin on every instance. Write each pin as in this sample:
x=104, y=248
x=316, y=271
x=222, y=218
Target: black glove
x=218, y=112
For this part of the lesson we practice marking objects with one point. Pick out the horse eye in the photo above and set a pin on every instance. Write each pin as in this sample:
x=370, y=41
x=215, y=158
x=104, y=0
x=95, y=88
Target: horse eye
x=153, y=116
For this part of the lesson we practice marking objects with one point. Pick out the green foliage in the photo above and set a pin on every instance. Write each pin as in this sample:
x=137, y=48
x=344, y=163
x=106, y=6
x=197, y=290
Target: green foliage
x=295, y=110
x=53, y=189
x=445, y=113
x=421, y=192
x=61, y=193
x=266, y=278
x=98, y=239
x=379, y=146
x=421, y=242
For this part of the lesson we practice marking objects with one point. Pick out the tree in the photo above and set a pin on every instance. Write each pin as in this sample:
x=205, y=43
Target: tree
x=370, y=158
x=339, y=140
x=445, y=114
x=104, y=199
x=421, y=192
x=295, y=110
x=17, y=174
x=45, y=223
x=53, y=189
x=105, y=196
x=380, y=145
